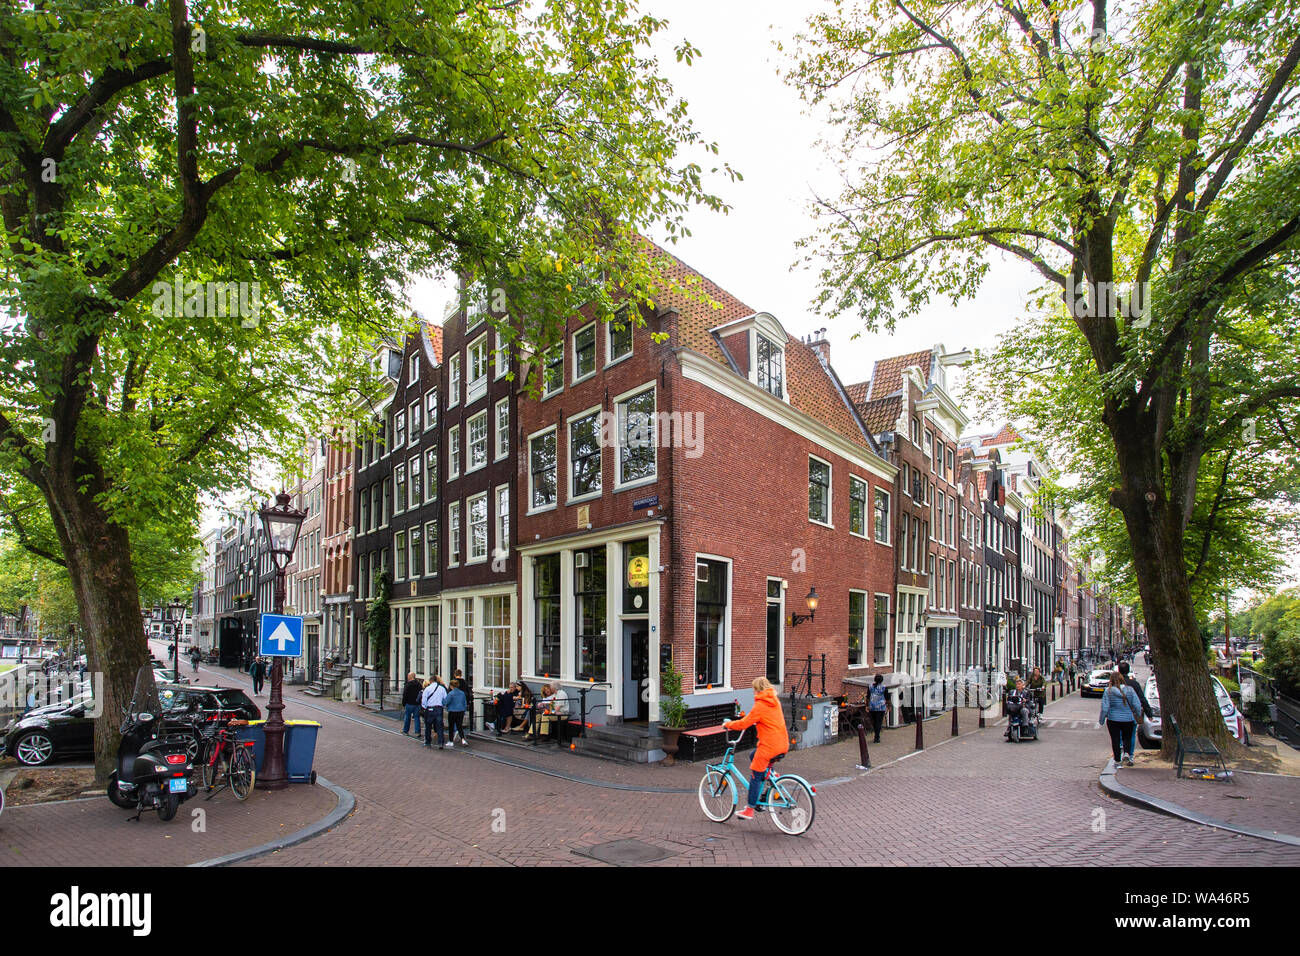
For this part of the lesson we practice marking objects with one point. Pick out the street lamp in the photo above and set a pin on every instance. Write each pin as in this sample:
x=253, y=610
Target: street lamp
x=175, y=614
x=811, y=600
x=280, y=524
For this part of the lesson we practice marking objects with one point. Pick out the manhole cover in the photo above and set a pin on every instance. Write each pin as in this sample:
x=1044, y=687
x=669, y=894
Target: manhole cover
x=625, y=853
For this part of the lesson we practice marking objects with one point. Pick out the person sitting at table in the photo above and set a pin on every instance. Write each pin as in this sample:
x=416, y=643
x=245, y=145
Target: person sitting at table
x=505, y=705
x=524, y=708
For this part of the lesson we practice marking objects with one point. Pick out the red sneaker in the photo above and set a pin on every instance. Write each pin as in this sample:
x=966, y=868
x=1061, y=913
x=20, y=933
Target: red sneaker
x=746, y=813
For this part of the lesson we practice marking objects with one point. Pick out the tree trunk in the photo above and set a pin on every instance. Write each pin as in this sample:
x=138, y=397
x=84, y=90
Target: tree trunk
x=98, y=555
x=1156, y=534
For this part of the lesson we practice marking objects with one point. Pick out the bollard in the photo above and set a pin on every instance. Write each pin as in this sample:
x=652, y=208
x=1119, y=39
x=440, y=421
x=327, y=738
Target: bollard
x=954, y=718
x=1053, y=692
x=863, y=754
x=981, y=716
x=920, y=734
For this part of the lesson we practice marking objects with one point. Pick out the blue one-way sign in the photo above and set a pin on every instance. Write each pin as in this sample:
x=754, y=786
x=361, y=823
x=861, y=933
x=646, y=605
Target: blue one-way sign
x=281, y=636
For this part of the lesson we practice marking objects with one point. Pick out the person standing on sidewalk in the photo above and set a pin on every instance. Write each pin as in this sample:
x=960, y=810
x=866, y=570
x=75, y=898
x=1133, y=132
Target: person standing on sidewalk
x=876, y=705
x=258, y=673
x=469, y=695
x=1120, y=710
x=456, y=704
x=411, y=703
x=433, y=699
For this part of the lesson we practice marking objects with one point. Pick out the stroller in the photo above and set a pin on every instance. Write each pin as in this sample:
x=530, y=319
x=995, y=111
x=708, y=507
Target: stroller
x=1022, y=719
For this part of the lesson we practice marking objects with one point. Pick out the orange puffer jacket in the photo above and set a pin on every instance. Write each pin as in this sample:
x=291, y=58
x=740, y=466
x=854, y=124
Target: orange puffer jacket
x=773, y=738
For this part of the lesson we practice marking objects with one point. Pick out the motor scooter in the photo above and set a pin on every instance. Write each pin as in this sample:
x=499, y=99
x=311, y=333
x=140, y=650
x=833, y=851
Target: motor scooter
x=154, y=770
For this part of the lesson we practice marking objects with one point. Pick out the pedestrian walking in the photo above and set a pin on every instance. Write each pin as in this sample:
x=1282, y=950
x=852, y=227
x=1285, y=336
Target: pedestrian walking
x=432, y=700
x=456, y=704
x=1120, y=710
x=876, y=705
x=411, y=703
x=469, y=696
x=1137, y=688
x=258, y=672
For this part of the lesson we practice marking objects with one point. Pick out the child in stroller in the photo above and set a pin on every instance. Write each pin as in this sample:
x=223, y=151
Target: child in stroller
x=1022, y=715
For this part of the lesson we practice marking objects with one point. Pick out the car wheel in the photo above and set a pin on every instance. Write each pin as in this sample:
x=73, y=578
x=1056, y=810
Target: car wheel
x=1148, y=743
x=34, y=749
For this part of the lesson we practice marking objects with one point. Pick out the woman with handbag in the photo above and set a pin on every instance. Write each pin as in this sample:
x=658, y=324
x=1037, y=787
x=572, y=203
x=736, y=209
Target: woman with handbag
x=1120, y=710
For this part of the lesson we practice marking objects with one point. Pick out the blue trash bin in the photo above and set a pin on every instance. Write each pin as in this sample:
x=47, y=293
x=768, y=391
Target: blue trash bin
x=300, y=750
x=255, y=731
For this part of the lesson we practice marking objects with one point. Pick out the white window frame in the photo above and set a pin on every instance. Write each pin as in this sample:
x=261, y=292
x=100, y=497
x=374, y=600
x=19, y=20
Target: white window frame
x=501, y=534
x=453, y=534
x=430, y=487
x=866, y=507
x=830, y=493
x=753, y=364
x=868, y=609
x=453, y=453
x=433, y=524
x=888, y=613
x=453, y=378
x=595, y=355
x=413, y=411
x=431, y=408
x=889, y=518
x=546, y=360
x=476, y=388
x=528, y=465
x=400, y=466
x=619, y=484
x=728, y=643
x=500, y=358
x=468, y=466
x=415, y=462
x=498, y=432
x=413, y=368
x=402, y=551
x=570, y=497
x=610, y=357
x=470, y=557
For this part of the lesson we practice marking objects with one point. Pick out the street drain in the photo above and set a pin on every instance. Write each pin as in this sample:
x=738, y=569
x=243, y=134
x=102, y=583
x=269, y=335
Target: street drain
x=625, y=853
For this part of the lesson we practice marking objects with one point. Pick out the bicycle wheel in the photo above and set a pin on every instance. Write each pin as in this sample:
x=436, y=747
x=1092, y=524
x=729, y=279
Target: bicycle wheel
x=242, y=773
x=792, y=805
x=717, y=796
x=209, y=768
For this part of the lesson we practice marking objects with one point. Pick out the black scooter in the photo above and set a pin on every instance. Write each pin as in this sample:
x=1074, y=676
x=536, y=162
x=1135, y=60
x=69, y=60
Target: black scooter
x=154, y=771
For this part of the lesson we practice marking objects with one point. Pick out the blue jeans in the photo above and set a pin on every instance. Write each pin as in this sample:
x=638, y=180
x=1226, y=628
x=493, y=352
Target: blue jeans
x=756, y=785
x=433, y=721
x=412, y=710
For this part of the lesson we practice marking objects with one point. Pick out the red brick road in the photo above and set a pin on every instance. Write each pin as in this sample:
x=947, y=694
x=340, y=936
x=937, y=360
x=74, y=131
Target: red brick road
x=976, y=800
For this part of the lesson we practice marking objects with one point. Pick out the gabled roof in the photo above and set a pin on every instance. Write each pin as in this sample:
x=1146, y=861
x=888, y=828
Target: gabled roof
x=881, y=415
x=887, y=377
x=433, y=339
x=696, y=315
x=1006, y=436
x=858, y=392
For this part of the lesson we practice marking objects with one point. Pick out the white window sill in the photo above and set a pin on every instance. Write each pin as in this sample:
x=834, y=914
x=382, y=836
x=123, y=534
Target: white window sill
x=589, y=496
x=541, y=509
x=621, y=358
x=821, y=523
x=583, y=378
x=639, y=483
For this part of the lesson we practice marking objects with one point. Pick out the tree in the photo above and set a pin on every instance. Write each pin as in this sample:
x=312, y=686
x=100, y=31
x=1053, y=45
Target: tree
x=1149, y=147
x=206, y=222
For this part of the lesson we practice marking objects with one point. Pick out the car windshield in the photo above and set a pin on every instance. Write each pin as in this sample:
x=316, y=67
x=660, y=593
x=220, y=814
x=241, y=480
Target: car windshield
x=1100, y=675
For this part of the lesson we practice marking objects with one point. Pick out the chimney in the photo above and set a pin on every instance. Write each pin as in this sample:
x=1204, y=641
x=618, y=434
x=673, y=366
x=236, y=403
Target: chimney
x=821, y=346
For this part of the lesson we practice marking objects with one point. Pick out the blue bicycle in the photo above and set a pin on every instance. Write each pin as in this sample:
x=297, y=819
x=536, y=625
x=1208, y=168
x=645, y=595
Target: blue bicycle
x=790, y=799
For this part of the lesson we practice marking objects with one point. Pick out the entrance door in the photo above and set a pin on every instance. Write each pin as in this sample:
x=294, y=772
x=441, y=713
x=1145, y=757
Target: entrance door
x=774, y=622
x=313, y=656
x=636, y=670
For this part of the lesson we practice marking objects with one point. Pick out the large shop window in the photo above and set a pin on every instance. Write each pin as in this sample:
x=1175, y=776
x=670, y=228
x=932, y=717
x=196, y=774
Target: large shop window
x=710, y=621
x=584, y=455
x=857, y=624
x=589, y=613
x=636, y=437
x=496, y=641
x=546, y=590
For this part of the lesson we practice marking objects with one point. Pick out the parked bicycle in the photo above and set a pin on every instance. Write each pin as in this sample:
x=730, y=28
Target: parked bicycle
x=226, y=755
x=790, y=799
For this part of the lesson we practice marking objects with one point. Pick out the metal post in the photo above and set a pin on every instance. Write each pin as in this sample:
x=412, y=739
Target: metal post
x=863, y=755
x=274, y=775
x=919, y=715
x=954, y=712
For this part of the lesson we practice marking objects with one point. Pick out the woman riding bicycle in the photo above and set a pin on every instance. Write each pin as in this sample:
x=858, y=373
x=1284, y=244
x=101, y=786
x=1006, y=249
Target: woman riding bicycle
x=773, y=738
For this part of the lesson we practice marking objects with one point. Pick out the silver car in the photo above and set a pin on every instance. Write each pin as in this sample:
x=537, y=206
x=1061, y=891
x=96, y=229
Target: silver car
x=1150, y=734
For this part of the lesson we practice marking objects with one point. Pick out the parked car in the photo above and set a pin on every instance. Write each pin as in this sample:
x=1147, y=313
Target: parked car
x=1150, y=733
x=222, y=702
x=51, y=732
x=1096, y=684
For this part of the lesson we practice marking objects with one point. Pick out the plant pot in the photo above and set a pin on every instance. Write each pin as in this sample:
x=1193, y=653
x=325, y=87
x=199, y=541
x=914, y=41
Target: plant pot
x=670, y=735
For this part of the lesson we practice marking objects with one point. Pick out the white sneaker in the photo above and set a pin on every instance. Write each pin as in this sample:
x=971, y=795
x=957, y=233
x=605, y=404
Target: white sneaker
x=1128, y=761
x=464, y=742
x=449, y=746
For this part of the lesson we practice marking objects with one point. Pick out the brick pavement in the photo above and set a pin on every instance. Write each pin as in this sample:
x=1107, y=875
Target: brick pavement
x=1035, y=803
x=95, y=832
x=1255, y=800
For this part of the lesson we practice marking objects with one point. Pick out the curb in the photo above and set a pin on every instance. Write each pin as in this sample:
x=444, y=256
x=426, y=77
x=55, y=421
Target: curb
x=346, y=804
x=1157, y=805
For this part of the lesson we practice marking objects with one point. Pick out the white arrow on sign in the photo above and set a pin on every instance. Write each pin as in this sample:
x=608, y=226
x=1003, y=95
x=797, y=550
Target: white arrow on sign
x=282, y=635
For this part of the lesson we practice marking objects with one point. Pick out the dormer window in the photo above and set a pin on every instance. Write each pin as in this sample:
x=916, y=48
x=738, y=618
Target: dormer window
x=770, y=366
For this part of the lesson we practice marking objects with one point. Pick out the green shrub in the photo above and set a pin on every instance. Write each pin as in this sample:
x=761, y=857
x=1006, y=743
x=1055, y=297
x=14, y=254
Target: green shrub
x=672, y=707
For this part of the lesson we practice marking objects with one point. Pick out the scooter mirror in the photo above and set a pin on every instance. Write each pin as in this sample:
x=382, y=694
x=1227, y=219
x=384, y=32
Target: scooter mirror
x=145, y=718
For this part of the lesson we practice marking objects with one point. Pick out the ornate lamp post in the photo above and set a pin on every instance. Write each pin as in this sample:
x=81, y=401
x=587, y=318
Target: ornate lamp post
x=175, y=614
x=280, y=524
